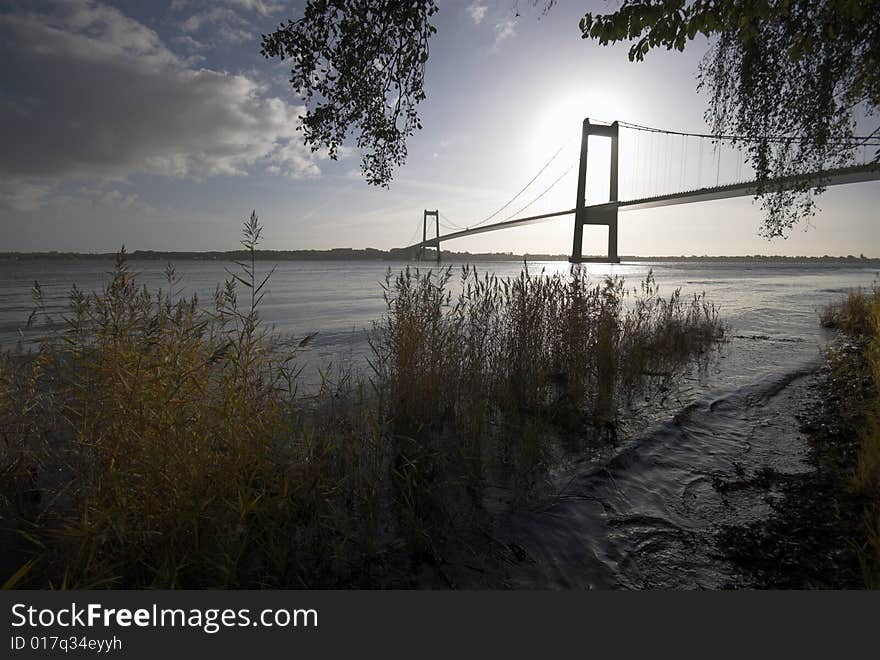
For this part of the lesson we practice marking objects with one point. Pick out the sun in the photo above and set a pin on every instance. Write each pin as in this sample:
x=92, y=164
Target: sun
x=557, y=138
x=558, y=120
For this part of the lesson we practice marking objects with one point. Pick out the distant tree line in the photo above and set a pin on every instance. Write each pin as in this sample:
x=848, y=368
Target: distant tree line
x=372, y=254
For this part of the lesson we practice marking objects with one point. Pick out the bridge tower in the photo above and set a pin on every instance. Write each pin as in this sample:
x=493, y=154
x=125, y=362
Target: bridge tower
x=601, y=214
x=436, y=215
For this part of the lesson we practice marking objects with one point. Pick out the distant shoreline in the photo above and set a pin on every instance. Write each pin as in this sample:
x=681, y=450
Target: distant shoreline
x=370, y=254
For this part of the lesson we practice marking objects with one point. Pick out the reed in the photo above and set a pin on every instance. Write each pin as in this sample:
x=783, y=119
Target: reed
x=503, y=366
x=858, y=315
x=154, y=441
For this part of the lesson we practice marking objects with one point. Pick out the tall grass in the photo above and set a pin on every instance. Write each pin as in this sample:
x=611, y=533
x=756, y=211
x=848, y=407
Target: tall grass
x=162, y=445
x=529, y=343
x=503, y=363
x=156, y=442
x=858, y=315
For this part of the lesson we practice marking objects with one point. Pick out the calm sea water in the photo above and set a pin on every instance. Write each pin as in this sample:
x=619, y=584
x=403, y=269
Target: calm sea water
x=771, y=308
x=641, y=513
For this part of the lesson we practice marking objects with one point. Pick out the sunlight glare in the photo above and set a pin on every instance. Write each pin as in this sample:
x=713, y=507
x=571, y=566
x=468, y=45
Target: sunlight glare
x=558, y=124
x=558, y=120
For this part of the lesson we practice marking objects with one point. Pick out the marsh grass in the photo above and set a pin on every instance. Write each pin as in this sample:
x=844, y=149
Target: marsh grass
x=152, y=443
x=858, y=315
x=156, y=442
x=503, y=365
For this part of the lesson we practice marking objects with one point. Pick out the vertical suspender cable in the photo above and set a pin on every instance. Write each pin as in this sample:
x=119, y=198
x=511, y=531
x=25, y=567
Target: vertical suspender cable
x=700, y=166
x=658, y=170
x=633, y=173
x=681, y=164
x=666, y=172
x=640, y=170
x=684, y=168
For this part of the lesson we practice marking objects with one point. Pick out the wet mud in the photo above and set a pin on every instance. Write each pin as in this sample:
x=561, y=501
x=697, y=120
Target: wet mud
x=812, y=538
x=728, y=492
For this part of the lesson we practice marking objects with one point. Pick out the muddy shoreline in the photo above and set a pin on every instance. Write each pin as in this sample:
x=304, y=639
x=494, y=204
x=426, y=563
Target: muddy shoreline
x=772, y=510
x=812, y=537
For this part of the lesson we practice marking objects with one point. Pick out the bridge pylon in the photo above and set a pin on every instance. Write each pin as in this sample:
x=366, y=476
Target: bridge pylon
x=596, y=215
x=436, y=215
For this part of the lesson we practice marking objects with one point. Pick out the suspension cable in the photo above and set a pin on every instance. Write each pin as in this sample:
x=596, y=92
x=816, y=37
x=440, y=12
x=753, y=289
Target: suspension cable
x=667, y=166
x=544, y=192
x=415, y=233
x=450, y=224
x=861, y=139
x=700, y=166
x=632, y=175
x=684, y=163
x=682, y=160
x=524, y=188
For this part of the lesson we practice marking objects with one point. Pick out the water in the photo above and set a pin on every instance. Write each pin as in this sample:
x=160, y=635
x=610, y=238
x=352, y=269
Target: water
x=649, y=516
x=646, y=511
x=766, y=305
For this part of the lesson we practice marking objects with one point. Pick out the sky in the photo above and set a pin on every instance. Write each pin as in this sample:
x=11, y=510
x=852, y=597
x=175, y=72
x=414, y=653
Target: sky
x=159, y=126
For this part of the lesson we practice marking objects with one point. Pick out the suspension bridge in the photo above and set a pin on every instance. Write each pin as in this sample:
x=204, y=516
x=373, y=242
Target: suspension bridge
x=651, y=187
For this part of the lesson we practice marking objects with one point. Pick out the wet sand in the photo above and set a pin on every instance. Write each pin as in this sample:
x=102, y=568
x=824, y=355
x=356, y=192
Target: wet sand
x=747, y=490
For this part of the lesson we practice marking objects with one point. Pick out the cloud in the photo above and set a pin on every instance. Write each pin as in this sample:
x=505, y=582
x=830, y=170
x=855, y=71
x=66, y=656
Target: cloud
x=214, y=15
x=262, y=7
x=234, y=35
x=114, y=199
x=24, y=196
x=89, y=92
x=505, y=29
x=189, y=43
x=477, y=12
x=231, y=22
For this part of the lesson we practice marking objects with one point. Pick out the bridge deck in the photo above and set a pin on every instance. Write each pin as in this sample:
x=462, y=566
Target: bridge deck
x=855, y=174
